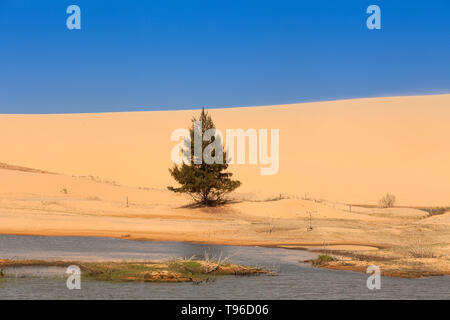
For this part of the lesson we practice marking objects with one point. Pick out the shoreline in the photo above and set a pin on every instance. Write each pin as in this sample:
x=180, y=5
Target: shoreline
x=395, y=267
x=346, y=260
x=230, y=242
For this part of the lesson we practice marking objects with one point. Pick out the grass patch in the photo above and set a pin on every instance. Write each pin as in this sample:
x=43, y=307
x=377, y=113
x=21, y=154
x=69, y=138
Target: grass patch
x=277, y=198
x=323, y=259
x=166, y=271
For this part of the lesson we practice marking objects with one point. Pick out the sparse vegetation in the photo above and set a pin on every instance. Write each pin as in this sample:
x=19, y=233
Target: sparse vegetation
x=277, y=198
x=168, y=271
x=309, y=198
x=419, y=249
x=322, y=259
x=388, y=201
x=437, y=211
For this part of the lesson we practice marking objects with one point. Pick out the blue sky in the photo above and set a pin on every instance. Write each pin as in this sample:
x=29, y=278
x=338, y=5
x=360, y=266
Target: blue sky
x=161, y=54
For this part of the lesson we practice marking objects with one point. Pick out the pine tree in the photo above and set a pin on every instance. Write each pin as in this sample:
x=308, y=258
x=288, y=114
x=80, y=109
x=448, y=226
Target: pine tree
x=207, y=184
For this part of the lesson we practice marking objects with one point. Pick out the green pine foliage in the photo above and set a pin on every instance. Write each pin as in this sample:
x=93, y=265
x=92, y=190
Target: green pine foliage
x=206, y=184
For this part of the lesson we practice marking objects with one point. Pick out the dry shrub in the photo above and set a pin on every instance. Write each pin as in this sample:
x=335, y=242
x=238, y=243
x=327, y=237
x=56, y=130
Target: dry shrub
x=387, y=201
x=419, y=249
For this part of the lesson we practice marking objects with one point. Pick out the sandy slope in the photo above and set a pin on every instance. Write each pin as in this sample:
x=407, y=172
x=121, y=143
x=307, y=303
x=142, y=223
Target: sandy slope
x=59, y=204
x=349, y=150
x=51, y=204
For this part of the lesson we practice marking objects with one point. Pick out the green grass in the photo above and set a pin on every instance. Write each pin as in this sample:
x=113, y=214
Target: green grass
x=323, y=258
x=187, y=268
x=115, y=272
x=166, y=271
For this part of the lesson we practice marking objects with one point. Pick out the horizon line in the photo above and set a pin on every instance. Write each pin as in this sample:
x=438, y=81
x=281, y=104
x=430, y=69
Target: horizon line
x=159, y=109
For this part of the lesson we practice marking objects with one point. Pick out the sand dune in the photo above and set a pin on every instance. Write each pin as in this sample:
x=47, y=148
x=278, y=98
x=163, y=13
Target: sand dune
x=37, y=203
x=53, y=204
x=106, y=175
x=349, y=150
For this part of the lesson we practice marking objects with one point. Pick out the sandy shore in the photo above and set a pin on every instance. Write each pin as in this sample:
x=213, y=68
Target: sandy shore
x=403, y=241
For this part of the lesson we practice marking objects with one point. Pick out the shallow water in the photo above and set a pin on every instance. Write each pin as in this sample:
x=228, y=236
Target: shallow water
x=35, y=272
x=294, y=279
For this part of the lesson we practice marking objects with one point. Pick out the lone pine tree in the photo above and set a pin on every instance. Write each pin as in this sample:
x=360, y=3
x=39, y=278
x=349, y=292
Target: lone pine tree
x=206, y=183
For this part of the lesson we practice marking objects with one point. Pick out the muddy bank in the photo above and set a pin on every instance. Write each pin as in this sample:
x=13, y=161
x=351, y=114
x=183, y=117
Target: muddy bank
x=390, y=264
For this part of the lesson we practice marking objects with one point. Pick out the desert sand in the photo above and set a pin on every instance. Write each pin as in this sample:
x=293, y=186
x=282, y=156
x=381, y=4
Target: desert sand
x=347, y=150
x=106, y=175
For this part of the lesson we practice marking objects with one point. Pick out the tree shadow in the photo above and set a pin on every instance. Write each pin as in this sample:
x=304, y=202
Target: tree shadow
x=196, y=205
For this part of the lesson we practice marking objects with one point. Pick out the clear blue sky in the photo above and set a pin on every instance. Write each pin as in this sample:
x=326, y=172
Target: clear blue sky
x=171, y=54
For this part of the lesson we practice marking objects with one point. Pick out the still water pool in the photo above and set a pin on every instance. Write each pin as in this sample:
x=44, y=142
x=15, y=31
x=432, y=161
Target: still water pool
x=294, y=278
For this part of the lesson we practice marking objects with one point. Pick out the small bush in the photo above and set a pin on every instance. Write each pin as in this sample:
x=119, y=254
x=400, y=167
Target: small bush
x=418, y=249
x=323, y=258
x=388, y=201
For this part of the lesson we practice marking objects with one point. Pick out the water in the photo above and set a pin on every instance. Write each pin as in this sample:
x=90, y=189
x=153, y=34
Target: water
x=294, y=279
